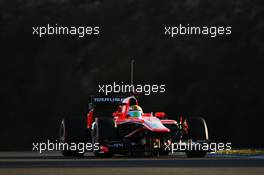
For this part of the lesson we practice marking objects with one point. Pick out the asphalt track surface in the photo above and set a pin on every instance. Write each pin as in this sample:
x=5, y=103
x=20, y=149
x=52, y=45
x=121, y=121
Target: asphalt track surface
x=53, y=163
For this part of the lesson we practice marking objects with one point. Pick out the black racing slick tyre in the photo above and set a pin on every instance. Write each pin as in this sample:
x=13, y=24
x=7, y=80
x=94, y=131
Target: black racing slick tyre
x=197, y=131
x=72, y=131
x=103, y=132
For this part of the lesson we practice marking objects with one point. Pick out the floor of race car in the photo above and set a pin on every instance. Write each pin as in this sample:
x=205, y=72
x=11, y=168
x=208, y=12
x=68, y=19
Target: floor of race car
x=53, y=163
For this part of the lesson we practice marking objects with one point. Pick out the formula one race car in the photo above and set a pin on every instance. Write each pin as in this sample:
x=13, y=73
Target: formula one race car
x=118, y=125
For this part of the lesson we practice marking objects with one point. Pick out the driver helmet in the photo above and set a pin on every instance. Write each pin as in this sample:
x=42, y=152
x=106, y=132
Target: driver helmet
x=135, y=111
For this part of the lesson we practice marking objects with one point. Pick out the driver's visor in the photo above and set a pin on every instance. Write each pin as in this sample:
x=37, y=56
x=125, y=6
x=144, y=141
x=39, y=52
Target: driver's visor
x=134, y=113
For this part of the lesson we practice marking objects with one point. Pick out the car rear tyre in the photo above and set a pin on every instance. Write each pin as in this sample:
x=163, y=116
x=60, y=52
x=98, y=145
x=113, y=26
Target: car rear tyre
x=197, y=131
x=72, y=131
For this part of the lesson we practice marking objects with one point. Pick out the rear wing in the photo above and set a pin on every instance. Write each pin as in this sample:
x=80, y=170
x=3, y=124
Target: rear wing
x=105, y=101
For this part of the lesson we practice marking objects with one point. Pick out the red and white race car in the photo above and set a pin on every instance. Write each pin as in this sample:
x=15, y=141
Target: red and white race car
x=118, y=125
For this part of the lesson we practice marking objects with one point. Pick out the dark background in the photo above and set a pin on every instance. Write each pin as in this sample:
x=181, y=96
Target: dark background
x=45, y=79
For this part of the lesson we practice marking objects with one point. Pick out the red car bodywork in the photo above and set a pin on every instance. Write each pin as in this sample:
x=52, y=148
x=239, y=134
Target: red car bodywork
x=121, y=116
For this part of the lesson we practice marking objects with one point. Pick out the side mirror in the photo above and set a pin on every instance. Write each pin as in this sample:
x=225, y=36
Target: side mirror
x=160, y=114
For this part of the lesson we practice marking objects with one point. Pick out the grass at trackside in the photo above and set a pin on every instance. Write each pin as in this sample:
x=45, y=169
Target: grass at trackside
x=242, y=151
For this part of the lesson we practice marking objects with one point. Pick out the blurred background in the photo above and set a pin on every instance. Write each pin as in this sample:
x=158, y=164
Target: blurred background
x=46, y=79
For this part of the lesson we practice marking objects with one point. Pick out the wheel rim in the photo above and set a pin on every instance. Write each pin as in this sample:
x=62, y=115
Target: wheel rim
x=62, y=132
